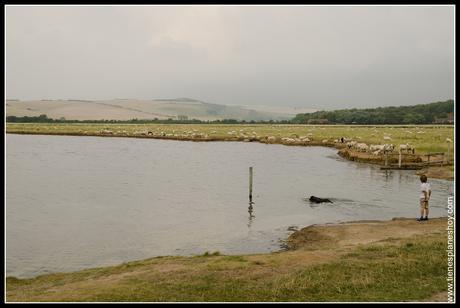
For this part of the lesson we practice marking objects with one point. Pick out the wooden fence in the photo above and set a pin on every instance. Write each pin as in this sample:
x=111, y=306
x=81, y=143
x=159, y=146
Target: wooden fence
x=425, y=160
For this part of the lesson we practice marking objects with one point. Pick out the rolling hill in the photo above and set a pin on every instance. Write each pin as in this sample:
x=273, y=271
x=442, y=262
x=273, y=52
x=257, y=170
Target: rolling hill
x=127, y=109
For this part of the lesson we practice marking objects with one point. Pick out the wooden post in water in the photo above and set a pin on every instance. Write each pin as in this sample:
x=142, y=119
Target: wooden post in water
x=386, y=158
x=400, y=158
x=250, y=184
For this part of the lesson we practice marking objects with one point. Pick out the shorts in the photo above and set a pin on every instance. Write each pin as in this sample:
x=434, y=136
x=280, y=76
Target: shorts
x=423, y=204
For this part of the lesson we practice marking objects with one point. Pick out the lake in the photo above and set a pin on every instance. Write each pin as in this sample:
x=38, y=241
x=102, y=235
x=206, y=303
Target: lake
x=80, y=202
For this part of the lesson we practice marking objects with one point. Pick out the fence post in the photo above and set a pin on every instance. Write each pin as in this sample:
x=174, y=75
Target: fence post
x=386, y=158
x=400, y=158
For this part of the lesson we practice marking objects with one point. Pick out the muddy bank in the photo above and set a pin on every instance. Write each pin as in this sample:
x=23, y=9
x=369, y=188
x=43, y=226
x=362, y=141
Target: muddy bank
x=198, y=138
x=351, y=234
x=378, y=159
x=444, y=172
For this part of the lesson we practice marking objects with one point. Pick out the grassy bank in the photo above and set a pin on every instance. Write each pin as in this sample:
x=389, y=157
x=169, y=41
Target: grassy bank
x=445, y=172
x=425, y=138
x=399, y=260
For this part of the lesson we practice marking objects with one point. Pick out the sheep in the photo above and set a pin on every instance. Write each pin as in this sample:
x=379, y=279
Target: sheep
x=388, y=148
x=406, y=148
x=376, y=147
x=106, y=131
x=381, y=148
x=351, y=144
x=362, y=147
x=386, y=138
x=286, y=140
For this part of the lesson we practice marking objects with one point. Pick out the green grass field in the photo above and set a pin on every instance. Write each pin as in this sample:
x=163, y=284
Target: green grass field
x=425, y=138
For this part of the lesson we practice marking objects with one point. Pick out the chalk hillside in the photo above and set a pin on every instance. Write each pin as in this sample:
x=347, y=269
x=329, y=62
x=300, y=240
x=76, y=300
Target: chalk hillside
x=127, y=109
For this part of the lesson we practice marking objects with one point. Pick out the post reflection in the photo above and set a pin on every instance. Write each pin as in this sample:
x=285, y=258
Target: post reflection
x=251, y=216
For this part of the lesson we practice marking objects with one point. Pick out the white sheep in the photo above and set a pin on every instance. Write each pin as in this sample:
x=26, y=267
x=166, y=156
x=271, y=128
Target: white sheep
x=388, y=148
x=362, y=147
x=376, y=147
x=106, y=131
x=351, y=144
x=406, y=148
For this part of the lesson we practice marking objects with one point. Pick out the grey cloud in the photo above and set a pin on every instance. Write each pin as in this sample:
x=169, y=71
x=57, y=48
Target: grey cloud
x=310, y=56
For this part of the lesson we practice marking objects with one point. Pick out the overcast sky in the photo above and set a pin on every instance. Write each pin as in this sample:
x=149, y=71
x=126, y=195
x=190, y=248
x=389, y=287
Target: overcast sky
x=307, y=56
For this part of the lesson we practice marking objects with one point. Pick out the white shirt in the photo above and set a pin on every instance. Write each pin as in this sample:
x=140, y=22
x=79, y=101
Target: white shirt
x=424, y=187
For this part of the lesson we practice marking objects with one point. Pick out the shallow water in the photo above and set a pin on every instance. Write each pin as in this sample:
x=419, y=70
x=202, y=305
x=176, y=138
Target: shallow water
x=80, y=202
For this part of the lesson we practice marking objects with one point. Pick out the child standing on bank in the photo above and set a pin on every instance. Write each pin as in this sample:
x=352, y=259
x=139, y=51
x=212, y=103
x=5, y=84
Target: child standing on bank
x=425, y=194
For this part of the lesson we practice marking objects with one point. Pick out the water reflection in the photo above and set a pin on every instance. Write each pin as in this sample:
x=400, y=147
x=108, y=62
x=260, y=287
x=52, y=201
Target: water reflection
x=251, y=216
x=388, y=175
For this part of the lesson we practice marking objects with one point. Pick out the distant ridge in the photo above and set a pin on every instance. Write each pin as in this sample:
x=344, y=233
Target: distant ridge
x=128, y=109
x=182, y=99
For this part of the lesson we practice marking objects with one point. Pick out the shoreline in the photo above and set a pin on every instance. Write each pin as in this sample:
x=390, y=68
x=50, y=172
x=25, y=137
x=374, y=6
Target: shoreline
x=313, y=248
x=445, y=172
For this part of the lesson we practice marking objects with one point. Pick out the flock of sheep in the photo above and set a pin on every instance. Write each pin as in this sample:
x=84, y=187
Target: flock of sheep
x=378, y=149
x=294, y=139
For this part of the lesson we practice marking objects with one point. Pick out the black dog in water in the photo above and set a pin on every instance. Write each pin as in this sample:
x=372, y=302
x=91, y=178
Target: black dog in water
x=319, y=200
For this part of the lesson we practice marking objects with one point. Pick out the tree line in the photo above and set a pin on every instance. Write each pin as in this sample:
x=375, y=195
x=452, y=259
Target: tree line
x=43, y=118
x=437, y=112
